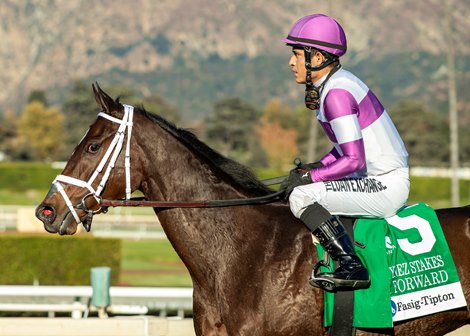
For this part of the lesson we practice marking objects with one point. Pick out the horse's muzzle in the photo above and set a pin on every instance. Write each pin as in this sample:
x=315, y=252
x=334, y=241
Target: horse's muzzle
x=48, y=215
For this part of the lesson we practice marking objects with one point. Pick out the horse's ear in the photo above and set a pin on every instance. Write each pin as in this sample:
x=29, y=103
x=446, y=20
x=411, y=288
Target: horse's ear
x=105, y=102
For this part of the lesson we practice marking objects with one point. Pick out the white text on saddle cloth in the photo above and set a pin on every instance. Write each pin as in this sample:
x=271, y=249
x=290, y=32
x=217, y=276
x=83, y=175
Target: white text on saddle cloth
x=424, y=277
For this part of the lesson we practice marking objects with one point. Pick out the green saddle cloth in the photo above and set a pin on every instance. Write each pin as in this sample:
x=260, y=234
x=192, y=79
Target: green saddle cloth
x=411, y=269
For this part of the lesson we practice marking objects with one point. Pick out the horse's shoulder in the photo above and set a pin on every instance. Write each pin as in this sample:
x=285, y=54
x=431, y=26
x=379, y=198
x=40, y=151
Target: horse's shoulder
x=288, y=228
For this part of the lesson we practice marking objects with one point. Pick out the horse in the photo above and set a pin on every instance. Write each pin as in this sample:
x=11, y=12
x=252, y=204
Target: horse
x=249, y=264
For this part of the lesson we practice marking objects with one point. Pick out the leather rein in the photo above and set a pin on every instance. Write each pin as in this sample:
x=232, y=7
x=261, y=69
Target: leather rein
x=142, y=202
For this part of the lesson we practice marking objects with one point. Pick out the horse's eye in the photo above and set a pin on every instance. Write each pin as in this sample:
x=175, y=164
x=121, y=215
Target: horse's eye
x=93, y=148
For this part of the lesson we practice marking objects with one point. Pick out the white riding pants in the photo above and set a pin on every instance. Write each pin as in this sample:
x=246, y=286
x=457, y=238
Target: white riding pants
x=374, y=196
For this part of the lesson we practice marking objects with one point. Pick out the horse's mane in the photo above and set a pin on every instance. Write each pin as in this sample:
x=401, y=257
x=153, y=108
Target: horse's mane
x=235, y=171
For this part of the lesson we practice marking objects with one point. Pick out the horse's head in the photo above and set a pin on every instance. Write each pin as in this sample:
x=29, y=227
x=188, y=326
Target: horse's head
x=99, y=167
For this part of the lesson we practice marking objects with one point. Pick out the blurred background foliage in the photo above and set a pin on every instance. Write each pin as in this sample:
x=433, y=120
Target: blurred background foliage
x=260, y=137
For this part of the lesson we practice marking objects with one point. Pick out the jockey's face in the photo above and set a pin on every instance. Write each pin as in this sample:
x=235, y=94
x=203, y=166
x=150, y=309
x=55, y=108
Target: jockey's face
x=297, y=65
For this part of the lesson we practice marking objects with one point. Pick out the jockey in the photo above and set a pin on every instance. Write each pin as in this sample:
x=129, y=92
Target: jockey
x=366, y=172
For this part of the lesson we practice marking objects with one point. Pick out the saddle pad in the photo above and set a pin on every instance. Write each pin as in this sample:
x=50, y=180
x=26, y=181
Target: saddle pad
x=412, y=271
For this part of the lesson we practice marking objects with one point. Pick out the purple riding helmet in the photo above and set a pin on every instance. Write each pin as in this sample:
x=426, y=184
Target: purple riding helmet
x=323, y=33
x=320, y=32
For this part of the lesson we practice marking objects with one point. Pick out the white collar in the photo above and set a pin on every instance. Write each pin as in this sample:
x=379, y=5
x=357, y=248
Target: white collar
x=320, y=81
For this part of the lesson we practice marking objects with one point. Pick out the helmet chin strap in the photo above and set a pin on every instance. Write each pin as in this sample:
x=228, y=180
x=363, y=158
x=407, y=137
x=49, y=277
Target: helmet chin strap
x=312, y=93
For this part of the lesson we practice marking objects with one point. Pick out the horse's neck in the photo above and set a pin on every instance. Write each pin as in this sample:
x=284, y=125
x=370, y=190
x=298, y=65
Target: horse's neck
x=172, y=171
x=181, y=176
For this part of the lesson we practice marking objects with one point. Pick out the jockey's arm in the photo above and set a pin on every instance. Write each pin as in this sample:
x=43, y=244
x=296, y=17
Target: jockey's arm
x=331, y=157
x=341, y=112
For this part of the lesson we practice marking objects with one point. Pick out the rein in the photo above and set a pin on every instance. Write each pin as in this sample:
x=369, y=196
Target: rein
x=139, y=202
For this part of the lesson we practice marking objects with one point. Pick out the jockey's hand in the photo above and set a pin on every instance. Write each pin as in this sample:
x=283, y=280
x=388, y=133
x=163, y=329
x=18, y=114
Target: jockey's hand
x=297, y=177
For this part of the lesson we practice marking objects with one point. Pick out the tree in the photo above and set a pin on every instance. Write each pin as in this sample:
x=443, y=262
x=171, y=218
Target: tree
x=41, y=130
x=38, y=95
x=274, y=111
x=158, y=105
x=231, y=130
x=79, y=109
x=279, y=144
x=8, y=133
x=464, y=140
x=292, y=121
x=278, y=131
x=424, y=132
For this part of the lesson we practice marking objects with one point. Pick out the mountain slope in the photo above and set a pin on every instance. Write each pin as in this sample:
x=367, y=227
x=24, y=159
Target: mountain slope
x=192, y=52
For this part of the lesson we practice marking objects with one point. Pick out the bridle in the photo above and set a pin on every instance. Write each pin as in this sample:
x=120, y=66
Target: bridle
x=111, y=155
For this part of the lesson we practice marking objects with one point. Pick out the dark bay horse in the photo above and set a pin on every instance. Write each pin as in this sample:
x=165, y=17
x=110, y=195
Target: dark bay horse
x=249, y=264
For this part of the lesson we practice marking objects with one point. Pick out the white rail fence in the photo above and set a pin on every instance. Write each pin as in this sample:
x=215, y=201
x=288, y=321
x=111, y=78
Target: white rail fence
x=161, y=301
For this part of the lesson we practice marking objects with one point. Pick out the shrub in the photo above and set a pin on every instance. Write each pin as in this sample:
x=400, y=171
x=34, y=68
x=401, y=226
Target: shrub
x=54, y=260
x=22, y=176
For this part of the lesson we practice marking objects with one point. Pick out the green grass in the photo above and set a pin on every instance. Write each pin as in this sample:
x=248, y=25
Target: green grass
x=152, y=263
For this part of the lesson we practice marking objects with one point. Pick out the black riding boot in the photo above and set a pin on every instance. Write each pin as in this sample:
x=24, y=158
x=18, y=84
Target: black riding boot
x=351, y=273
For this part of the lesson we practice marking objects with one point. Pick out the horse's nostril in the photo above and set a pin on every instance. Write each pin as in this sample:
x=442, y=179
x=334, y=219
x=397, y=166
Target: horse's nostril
x=47, y=212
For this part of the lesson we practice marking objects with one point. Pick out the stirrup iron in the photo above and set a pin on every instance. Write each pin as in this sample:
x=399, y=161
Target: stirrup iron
x=320, y=282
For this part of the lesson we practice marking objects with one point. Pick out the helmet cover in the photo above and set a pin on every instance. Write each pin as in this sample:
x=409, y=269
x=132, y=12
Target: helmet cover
x=320, y=32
